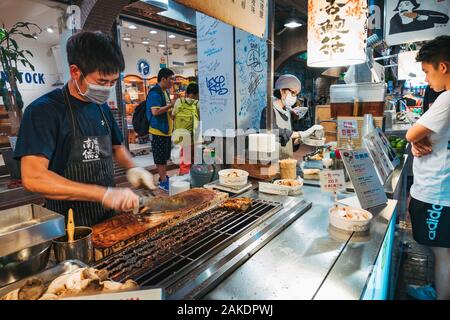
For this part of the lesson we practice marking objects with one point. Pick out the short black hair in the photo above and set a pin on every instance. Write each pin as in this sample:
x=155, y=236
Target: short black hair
x=192, y=88
x=164, y=73
x=95, y=51
x=435, y=51
x=414, y=2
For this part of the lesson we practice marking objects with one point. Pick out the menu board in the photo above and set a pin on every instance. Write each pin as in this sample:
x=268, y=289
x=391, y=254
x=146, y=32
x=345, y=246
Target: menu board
x=215, y=74
x=248, y=15
x=251, y=79
x=362, y=173
x=382, y=154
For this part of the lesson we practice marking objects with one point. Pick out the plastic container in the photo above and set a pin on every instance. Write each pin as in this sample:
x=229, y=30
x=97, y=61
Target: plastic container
x=369, y=97
x=233, y=177
x=293, y=190
x=363, y=92
x=338, y=221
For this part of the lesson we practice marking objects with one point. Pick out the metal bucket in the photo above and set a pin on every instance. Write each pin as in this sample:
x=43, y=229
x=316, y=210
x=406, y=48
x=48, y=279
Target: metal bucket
x=80, y=249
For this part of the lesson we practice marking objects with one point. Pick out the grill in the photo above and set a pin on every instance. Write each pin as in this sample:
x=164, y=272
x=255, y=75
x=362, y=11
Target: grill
x=169, y=259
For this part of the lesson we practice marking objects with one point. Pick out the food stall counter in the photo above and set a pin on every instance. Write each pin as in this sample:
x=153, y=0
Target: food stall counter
x=297, y=263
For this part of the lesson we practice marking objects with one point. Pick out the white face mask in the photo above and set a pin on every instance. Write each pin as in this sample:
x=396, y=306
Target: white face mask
x=290, y=100
x=96, y=93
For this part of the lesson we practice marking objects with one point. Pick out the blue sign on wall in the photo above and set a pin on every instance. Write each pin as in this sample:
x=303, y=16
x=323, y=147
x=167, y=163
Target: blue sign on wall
x=143, y=67
x=27, y=77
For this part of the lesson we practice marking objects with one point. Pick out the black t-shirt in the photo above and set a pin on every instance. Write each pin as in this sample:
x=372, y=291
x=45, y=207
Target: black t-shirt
x=46, y=127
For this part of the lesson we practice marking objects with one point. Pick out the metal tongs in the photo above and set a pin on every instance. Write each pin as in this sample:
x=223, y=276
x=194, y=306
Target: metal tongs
x=150, y=205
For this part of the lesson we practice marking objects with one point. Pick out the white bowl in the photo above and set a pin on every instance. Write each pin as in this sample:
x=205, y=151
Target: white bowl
x=231, y=181
x=338, y=221
x=294, y=190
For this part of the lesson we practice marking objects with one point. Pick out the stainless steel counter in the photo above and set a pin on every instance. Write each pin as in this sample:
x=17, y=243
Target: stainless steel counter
x=398, y=129
x=298, y=263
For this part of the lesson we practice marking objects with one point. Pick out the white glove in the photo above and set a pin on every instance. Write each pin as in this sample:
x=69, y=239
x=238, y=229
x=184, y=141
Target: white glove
x=310, y=131
x=139, y=177
x=120, y=199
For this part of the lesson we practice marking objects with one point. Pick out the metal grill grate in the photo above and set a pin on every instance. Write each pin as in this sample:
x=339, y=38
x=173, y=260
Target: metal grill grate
x=171, y=254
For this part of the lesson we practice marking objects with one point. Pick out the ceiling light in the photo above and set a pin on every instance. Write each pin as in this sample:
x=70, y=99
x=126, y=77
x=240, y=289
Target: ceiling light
x=153, y=31
x=172, y=36
x=161, y=45
x=187, y=40
x=145, y=41
x=127, y=37
x=49, y=29
x=293, y=23
x=132, y=27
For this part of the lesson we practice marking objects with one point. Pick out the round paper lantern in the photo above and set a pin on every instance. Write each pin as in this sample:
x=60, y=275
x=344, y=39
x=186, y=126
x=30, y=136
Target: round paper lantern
x=337, y=32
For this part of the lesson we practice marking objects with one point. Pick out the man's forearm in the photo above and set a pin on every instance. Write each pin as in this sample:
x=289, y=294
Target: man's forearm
x=159, y=111
x=53, y=186
x=123, y=157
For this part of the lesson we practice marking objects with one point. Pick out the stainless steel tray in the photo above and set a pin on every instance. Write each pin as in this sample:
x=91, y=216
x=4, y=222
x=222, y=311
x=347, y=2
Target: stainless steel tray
x=28, y=225
x=47, y=275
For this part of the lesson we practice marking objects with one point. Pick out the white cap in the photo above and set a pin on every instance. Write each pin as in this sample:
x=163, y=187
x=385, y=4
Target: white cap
x=288, y=81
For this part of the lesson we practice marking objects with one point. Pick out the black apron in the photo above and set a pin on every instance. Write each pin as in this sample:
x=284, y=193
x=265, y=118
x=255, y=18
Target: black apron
x=90, y=162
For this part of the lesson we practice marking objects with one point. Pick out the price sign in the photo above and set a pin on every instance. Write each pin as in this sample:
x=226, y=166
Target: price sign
x=348, y=128
x=332, y=180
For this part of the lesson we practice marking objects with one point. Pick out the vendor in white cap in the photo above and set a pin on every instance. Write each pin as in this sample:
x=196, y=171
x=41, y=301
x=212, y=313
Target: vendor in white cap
x=287, y=88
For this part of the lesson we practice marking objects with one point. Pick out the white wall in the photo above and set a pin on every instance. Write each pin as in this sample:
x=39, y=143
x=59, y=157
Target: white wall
x=45, y=70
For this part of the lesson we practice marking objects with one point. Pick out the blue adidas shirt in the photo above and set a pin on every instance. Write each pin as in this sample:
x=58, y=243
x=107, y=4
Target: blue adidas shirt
x=46, y=127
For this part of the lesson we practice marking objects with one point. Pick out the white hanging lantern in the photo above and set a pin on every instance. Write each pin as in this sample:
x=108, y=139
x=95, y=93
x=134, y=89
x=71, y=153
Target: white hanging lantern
x=337, y=32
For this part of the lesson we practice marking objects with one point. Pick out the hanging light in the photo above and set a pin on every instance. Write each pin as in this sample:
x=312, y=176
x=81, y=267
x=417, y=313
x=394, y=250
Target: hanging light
x=172, y=36
x=153, y=31
x=337, y=32
x=187, y=40
x=145, y=41
x=132, y=26
x=161, y=45
x=292, y=23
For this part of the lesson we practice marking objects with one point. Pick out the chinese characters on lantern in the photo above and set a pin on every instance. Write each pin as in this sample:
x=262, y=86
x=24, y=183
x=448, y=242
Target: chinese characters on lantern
x=333, y=28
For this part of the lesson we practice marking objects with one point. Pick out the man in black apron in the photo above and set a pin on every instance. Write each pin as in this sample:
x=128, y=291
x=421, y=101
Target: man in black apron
x=68, y=138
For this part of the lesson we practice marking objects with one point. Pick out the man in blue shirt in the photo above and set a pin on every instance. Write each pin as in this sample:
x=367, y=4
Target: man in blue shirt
x=68, y=138
x=159, y=107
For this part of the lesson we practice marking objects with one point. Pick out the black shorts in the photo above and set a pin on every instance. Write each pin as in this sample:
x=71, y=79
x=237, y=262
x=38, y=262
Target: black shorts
x=161, y=147
x=430, y=223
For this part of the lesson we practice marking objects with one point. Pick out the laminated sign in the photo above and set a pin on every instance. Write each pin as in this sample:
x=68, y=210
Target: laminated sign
x=362, y=173
x=248, y=15
x=332, y=180
x=348, y=128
